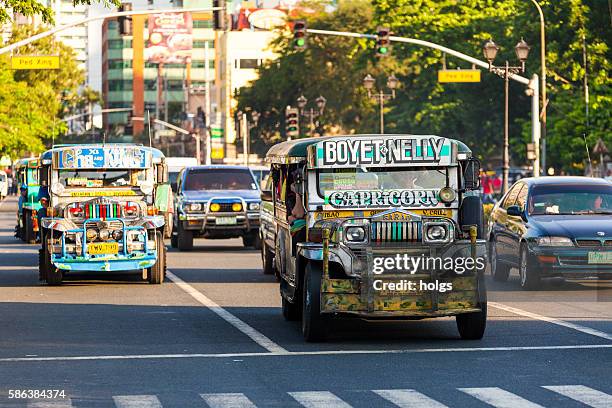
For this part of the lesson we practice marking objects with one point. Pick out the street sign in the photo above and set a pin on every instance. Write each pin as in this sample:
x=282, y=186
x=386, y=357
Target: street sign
x=459, y=75
x=35, y=62
x=216, y=153
x=216, y=133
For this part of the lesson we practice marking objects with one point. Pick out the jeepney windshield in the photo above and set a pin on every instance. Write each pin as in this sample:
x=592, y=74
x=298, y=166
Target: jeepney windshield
x=381, y=179
x=101, y=178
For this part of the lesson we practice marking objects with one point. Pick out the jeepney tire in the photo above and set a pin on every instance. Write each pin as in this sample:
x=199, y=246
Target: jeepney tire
x=157, y=271
x=267, y=259
x=28, y=235
x=472, y=213
x=173, y=240
x=529, y=275
x=291, y=311
x=251, y=240
x=42, y=271
x=53, y=275
x=499, y=270
x=472, y=326
x=314, y=324
x=184, y=239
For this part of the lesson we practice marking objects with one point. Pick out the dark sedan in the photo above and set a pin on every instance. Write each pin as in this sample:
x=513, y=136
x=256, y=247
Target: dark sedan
x=552, y=227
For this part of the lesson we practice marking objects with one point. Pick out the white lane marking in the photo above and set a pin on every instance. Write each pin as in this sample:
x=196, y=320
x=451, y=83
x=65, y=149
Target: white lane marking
x=318, y=399
x=136, y=401
x=409, y=399
x=256, y=336
x=499, y=398
x=586, y=395
x=298, y=353
x=552, y=320
x=229, y=400
x=58, y=403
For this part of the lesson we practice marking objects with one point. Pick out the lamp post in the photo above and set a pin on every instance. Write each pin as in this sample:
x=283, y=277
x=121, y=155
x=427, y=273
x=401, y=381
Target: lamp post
x=245, y=130
x=380, y=96
x=311, y=113
x=490, y=50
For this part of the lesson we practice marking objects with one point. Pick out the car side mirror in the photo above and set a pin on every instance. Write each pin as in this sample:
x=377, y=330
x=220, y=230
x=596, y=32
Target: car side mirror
x=471, y=174
x=266, y=195
x=515, y=211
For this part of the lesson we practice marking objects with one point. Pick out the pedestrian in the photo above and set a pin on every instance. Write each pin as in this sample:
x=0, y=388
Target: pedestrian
x=9, y=181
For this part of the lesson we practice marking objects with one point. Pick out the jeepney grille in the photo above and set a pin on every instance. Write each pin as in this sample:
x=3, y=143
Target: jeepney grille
x=112, y=225
x=395, y=231
x=112, y=210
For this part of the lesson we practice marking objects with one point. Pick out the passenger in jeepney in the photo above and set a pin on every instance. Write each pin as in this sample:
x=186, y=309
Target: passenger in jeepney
x=295, y=206
x=43, y=198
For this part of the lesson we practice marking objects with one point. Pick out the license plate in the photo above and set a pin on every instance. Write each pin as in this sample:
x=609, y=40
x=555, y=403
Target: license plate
x=600, y=257
x=103, y=248
x=226, y=221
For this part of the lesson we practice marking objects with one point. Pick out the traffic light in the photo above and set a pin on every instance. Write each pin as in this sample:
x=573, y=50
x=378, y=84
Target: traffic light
x=125, y=22
x=292, y=122
x=219, y=17
x=299, y=35
x=383, y=44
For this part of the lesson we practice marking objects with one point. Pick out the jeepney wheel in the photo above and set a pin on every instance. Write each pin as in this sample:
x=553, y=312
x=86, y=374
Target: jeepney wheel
x=251, y=240
x=51, y=274
x=184, y=239
x=499, y=270
x=173, y=240
x=314, y=324
x=267, y=259
x=530, y=278
x=157, y=272
x=472, y=326
x=28, y=234
x=291, y=311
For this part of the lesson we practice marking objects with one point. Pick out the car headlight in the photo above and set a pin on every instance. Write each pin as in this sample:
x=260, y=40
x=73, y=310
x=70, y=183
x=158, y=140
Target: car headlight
x=214, y=207
x=447, y=195
x=355, y=234
x=555, y=241
x=236, y=207
x=193, y=207
x=253, y=206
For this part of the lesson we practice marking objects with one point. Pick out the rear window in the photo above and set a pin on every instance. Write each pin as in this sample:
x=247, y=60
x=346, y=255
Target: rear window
x=219, y=179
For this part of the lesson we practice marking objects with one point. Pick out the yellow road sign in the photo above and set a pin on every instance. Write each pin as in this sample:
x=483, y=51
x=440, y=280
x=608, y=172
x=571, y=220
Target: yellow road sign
x=216, y=153
x=459, y=75
x=35, y=62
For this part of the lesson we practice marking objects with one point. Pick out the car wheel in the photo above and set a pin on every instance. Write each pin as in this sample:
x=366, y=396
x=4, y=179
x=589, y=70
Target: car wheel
x=314, y=324
x=499, y=270
x=530, y=277
x=184, y=239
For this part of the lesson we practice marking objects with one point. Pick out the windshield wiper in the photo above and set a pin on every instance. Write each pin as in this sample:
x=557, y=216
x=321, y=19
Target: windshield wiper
x=600, y=211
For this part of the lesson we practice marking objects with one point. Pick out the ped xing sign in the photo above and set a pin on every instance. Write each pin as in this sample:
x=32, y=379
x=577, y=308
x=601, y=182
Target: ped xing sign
x=459, y=75
x=35, y=62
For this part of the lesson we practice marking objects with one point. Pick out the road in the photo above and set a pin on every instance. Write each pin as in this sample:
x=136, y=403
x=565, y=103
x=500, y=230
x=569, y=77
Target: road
x=213, y=336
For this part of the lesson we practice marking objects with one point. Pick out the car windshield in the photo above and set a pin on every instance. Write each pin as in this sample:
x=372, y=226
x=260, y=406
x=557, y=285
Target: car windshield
x=101, y=178
x=381, y=179
x=219, y=179
x=571, y=199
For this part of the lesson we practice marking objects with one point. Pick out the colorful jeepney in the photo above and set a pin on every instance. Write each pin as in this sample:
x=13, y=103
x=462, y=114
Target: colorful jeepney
x=353, y=214
x=26, y=171
x=104, y=211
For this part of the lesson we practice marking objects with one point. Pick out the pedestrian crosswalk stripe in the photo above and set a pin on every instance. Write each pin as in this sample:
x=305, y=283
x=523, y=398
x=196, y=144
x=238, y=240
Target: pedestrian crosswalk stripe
x=319, y=399
x=229, y=400
x=499, y=398
x=586, y=395
x=409, y=399
x=46, y=403
x=137, y=401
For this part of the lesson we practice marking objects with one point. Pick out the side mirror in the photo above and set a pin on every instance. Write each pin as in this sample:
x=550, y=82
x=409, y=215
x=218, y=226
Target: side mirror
x=266, y=195
x=515, y=211
x=471, y=174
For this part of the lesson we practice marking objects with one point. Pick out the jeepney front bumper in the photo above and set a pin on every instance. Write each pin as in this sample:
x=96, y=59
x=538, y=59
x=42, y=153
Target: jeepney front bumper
x=72, y=251
x=425, y=293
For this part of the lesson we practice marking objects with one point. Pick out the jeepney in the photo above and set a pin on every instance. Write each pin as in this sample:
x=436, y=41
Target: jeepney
x=390, y=223
x=104, y=211
x=26, y=171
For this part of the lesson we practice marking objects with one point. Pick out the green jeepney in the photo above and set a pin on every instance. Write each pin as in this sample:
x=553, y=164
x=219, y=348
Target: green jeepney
x=26, y=171
x=378, y=227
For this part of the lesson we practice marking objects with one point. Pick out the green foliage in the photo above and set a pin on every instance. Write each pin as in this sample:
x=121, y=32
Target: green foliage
x=335, y=66
x=30, y=8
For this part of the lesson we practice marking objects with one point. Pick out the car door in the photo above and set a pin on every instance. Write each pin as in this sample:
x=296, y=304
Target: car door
x=515, y=226
x=500, y=229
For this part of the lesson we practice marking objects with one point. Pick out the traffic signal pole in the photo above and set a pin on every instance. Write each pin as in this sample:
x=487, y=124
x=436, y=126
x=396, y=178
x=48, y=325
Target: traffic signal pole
x=532, y=84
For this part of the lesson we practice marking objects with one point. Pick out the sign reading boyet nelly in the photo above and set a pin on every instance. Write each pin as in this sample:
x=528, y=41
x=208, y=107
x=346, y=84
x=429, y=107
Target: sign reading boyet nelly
x=381, y=198
x=103, y=158
x=414, y=150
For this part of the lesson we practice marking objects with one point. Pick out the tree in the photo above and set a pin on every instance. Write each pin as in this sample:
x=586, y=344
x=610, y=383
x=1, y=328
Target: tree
x=31, y=8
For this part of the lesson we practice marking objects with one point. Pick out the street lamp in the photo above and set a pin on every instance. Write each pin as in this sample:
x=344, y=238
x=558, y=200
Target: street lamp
x=380, y=96
x=244, y=128
x=320, y=102
x=490, y=50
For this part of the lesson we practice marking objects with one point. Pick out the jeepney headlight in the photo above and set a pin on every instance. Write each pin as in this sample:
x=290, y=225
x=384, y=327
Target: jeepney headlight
x=104, y=234
x=437, y=232
x=355, y=234
x=447, y=195
x=236, y=207
x=253, y=206
x=57, y=188
x=91, y=234
x=117, y=235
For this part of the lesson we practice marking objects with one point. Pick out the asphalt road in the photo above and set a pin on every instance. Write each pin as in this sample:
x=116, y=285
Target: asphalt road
x=213, y=336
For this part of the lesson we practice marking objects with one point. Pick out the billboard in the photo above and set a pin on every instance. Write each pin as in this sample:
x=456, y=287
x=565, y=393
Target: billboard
x=170, y=38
